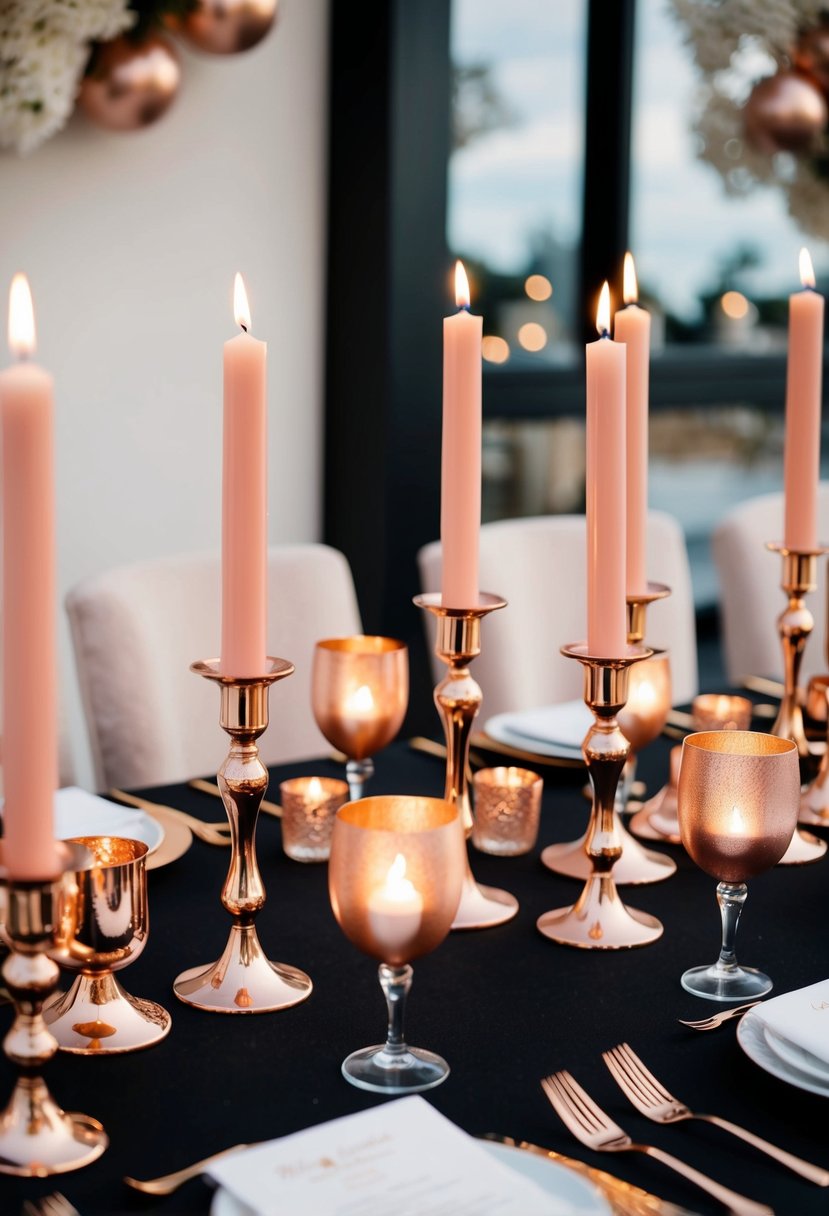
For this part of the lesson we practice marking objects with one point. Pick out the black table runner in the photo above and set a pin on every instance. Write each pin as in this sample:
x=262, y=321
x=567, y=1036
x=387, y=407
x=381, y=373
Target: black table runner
x=504, y=1006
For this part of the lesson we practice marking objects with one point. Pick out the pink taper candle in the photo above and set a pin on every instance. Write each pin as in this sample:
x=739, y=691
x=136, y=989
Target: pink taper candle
x=632, y=326
x=606, y=610
x=244, y=499
x=460, y=497
x=30, y=743
x=803, y=399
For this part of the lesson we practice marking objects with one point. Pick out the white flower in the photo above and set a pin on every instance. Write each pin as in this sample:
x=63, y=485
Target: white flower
x=44, y=48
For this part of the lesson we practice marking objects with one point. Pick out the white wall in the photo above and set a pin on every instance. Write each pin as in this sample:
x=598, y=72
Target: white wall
x=130, y=242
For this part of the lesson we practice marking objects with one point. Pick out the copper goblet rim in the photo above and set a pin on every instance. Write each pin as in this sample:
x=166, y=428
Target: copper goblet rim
x=740, y=743
x=111, y=850
x=398, y=813
x=362, y=643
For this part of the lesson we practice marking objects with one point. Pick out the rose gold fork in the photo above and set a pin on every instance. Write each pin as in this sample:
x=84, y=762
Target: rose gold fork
x=593, y=1127
x=652, y=1099
x=717, y=1019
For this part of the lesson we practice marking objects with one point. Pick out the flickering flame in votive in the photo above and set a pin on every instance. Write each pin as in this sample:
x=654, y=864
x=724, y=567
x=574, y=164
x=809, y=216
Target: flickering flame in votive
x=461, y=286
x=314, y=791
x=241, y=308
x=631, y=287
x=807, y=271
x=361, y=701
x=737, y=825
x=397, y=886
x=21, y=318
x=603, y=311
x=645, y=695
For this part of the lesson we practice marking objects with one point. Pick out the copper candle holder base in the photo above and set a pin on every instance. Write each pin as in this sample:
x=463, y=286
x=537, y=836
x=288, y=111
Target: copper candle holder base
x=599, y=920
x=243, y=980
x=458, y=698
x=37, y=1138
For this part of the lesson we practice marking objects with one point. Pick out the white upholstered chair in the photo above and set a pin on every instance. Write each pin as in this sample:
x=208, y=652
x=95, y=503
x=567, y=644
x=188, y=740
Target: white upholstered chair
x=750, y=595
x=539, y=566
x=137, y=628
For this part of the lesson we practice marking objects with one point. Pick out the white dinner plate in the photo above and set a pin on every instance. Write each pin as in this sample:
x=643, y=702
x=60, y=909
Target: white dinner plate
x=797, y=1057
x=557, y=1180
x=501, y=728
x=79, y=813
x=755, y=1039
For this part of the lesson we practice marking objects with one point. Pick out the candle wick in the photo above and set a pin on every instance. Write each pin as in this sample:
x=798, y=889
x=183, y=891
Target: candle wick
x=605, y=333
x=463, y=308
x=243, y=326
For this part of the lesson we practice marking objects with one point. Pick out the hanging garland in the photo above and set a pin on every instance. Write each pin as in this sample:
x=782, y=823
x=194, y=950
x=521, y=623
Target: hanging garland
x=762, y=116
x=111, y=56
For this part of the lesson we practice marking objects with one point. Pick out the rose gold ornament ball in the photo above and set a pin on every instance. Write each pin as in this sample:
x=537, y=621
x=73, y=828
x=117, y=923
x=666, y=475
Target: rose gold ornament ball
x=785, y=113
x=131, y=83
x=222, y=27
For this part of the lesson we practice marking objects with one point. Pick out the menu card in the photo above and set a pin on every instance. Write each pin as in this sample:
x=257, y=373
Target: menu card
x=402, y=1157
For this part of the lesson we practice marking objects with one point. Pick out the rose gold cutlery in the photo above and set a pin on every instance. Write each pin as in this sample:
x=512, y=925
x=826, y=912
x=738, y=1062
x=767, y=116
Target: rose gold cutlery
x=168, y=1183
x=594, y=1128
x=717, y=1019
x=210, y=833
x=652, y=1100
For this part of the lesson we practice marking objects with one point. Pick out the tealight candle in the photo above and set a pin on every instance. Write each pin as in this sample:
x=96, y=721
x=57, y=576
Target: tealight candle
x=360, y=703
x=309, y=805
x=395, y=910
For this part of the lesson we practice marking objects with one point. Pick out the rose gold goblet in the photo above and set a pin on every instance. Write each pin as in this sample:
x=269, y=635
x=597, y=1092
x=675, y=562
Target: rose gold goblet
x=395, y=874
x=646, y=711
x=720, y=711
x=739, y=793
x=359, y=695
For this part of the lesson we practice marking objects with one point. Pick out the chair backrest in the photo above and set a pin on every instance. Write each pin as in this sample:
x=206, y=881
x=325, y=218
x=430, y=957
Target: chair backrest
x=137, y=628
x=750, y=595
x=539, y=566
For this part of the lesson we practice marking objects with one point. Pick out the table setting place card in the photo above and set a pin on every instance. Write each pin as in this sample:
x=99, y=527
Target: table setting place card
x=801, y=1019
x=403, y=1156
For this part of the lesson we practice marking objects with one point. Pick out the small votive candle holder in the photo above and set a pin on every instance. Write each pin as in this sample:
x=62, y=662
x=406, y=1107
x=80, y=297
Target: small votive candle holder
x=309, y=807
x=720, y=711
x=507, y=810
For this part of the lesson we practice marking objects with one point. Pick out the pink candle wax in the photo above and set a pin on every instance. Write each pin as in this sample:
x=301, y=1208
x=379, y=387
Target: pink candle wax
x=244, y=500
x=30, y=746
x=460, y=500
x=632, y=326
x=606, y=610
x=803, y=399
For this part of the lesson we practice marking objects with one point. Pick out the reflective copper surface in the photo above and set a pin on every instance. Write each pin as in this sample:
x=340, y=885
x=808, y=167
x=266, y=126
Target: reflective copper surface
x=359, y=692
x=720, y=711
x=649, y=699
x=739, y=793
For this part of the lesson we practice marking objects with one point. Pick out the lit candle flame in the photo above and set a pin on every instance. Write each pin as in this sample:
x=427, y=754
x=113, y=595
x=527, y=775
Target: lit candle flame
x=314, y=791
x=361, y=701
x=397, y=885
x=21, y=318
x=738, y=825
x=461, y=286
x=241, y=308
x=807, y=272
x=631, y=287
x=603, y=311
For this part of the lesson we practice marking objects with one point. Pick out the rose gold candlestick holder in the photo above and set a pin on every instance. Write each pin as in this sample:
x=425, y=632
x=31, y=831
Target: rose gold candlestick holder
x=243, y=980
x=599, y=920
x=458, y=699
x=37, y=1138
x=795, y=623
x=637, y=865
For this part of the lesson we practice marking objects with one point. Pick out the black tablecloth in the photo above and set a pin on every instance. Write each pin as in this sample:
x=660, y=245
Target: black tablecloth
x=504, y=1006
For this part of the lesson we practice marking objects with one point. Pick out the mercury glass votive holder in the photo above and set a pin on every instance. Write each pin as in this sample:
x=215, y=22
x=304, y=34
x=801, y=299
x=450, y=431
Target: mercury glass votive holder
x=720, y=711
x=507, y=810
x=395, y=875
x=309, y=805
x=738, y=800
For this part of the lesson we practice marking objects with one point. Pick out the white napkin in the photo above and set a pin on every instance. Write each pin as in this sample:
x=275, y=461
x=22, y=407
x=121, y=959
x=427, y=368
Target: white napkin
x=801, y=1018
x=402, y=1157
x=565, y=724
x=79, y=813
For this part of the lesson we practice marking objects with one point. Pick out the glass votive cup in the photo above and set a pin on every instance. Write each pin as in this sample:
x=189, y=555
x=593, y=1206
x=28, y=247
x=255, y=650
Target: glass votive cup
x=507, y=810
x=309, y=807
x=720, y=711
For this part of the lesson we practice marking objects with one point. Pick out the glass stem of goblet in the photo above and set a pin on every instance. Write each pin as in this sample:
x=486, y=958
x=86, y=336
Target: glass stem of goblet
x=357, y=773
x=730, y=896
x=395, y=982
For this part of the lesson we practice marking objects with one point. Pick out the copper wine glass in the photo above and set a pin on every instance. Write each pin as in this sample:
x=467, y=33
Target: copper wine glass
x=395, y=874
x=359, y=695
x=739, y=793
x=645, y=712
